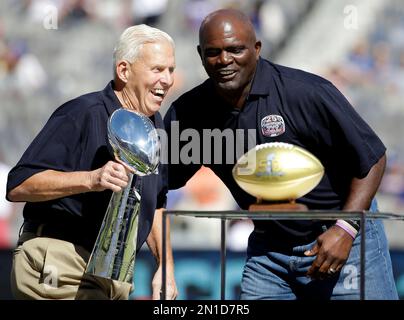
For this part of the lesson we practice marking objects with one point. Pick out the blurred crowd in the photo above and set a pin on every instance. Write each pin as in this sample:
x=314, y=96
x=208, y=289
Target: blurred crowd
x=54, y=50
x=372, y=77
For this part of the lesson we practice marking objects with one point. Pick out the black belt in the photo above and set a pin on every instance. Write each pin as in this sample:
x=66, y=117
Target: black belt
x=60, y=231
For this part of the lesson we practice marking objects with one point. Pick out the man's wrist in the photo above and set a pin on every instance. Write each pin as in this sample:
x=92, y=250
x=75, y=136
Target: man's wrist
x=356, y=224
x=348, y=227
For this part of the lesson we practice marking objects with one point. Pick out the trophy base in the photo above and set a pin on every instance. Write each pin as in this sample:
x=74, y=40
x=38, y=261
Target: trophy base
x=280, y=206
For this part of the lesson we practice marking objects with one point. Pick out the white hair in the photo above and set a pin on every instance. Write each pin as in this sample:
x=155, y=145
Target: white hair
x=132, y=40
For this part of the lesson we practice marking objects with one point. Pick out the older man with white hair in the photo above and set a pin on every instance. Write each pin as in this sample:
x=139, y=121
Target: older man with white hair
x=67, y=176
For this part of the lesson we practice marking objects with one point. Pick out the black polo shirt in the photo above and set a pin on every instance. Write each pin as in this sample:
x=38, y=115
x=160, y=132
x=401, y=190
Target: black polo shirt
x=75, y=139
x=284, y=105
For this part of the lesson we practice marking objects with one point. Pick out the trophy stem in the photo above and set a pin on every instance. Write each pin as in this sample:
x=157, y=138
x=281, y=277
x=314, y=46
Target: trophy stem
x=113, y=256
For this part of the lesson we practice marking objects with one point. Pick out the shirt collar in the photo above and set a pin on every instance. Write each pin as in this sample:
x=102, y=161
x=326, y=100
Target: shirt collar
x=262, y=79
x=111, y=101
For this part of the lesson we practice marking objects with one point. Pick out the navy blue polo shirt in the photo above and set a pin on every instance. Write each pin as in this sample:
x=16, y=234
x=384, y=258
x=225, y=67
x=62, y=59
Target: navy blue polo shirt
x=284, y=105
x=75, y=139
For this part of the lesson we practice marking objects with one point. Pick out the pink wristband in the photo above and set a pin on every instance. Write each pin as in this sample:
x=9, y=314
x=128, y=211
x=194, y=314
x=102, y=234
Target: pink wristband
x=346, y=228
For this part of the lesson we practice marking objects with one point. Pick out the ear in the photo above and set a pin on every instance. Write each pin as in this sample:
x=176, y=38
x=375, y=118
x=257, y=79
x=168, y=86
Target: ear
x=257, y=49
x=199, y=52
x=122, y=70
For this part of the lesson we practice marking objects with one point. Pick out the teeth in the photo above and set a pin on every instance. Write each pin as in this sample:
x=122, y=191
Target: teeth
x=159, y=92
x=226, y=72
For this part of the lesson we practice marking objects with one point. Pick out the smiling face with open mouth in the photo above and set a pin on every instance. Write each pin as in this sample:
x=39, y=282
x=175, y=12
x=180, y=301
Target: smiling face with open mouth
x=229, y=53
x=150, y=77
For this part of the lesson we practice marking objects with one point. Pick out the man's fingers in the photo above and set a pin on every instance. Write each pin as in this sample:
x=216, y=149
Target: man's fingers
x=315, y=267
x=128, y=169
x=119, y=176
x=120, y=171
x=111, y=186
x=117, y=182
x=171, y=294
x=324, y=270
x=333, y=269
x=312, y=252
x=114, y=177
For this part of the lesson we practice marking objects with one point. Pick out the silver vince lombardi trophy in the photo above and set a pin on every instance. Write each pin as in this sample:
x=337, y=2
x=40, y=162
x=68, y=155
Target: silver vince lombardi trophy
x=134, y=140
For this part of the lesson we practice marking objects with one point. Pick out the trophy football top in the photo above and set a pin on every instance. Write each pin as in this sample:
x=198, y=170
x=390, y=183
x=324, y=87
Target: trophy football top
x=278, y=171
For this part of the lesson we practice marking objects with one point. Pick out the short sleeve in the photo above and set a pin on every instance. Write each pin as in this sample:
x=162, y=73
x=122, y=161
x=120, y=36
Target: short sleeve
x=56, y=147
x=341, y=130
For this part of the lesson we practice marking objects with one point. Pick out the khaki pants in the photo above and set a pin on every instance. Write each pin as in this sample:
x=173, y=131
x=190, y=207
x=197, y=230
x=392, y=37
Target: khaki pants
x=47, y=268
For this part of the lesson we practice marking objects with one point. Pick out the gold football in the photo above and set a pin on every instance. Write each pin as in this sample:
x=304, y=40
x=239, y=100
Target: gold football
x=278, y=171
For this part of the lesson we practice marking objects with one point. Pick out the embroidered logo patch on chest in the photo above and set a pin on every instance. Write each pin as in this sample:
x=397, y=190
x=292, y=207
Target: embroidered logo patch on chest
x=272, y=125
